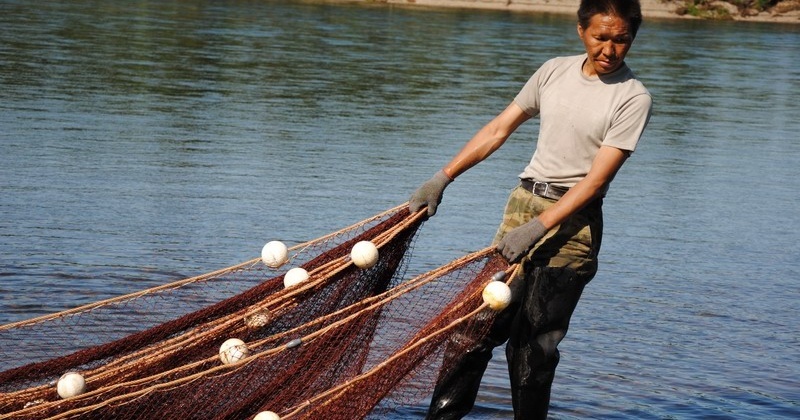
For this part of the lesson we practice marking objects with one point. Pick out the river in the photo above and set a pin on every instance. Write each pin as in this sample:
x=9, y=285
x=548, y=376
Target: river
x=144, y=142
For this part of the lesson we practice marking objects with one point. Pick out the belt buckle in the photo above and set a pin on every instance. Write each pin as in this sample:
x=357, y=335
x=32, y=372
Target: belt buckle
x=546, y=191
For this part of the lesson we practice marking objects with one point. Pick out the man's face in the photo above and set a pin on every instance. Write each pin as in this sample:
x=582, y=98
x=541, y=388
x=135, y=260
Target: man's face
x=607, y=41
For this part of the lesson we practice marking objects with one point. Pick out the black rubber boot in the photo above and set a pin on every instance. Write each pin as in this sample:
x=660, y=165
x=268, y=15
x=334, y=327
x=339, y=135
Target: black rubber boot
x=460, y=377
x=542, y=322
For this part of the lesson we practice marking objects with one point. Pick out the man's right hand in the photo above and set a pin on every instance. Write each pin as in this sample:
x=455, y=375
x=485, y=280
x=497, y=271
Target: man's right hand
x=429, y=194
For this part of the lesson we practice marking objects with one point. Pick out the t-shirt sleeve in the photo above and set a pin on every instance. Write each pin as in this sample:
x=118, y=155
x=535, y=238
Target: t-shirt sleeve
x=629, y=123
x=529, y=98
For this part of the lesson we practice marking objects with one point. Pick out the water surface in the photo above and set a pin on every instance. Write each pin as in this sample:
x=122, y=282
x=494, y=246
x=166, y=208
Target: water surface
x=144, y=142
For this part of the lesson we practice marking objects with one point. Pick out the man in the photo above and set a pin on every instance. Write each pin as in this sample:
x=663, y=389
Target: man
x=592, y=112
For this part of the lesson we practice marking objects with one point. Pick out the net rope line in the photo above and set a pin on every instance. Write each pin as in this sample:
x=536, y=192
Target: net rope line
x=177, y=284
x=412, y=373
x=329, y=396
x=397, y=338
x=367, y=305
x=9, y=374
x=321, y=273
x=296, y=291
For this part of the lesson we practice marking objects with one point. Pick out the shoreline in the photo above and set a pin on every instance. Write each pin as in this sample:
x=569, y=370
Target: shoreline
x=658, y=9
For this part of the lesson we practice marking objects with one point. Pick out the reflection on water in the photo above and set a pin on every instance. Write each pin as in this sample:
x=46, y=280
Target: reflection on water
x=145, y=142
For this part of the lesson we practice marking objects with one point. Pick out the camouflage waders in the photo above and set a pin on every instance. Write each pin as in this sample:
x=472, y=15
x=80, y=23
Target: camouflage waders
x=543, y=299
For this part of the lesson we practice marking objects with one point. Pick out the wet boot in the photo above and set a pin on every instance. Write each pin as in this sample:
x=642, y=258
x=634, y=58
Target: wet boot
x=551, y=297
x=460, y=377
x=456, y=390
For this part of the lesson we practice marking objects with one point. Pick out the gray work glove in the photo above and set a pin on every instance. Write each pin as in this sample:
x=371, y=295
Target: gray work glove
x=429, y=194
x=518, y=241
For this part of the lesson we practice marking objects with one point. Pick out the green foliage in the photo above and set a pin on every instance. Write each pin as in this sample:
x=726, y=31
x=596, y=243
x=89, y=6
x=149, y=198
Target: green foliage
x=704, y=9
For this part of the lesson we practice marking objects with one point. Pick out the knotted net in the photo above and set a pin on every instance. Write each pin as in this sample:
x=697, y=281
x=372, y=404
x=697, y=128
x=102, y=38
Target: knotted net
x=348, y=343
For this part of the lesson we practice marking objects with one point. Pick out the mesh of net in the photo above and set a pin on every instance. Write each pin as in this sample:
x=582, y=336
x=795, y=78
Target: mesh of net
x=348, y=343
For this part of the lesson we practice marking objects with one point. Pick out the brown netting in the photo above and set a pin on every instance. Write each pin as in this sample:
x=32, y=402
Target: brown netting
x=348, y=343
x=440, y=313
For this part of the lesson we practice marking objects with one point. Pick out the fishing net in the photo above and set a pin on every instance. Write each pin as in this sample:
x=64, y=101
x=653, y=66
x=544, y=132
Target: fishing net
x=348, y=343
x=423, y=323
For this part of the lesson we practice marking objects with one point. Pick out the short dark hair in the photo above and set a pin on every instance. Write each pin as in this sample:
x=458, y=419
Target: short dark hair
x=630, y=10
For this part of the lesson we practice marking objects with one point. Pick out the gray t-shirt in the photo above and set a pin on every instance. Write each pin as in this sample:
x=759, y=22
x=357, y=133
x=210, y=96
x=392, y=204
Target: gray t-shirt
x=578, y=114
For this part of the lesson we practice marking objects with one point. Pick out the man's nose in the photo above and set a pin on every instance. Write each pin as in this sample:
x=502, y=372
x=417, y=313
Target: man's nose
x=608, y=50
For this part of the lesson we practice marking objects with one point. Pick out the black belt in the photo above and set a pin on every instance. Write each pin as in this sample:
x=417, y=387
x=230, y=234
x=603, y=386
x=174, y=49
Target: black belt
x=544, y=189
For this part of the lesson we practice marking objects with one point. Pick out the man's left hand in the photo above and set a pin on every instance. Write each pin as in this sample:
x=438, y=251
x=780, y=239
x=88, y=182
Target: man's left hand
x=517, y=242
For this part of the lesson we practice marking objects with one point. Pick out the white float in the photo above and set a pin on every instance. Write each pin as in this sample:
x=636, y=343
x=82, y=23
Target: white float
x=497, y=295
x=71, y=384
x=294, y=277
x=274, y=254
x=364, y=254
x=232, y=351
